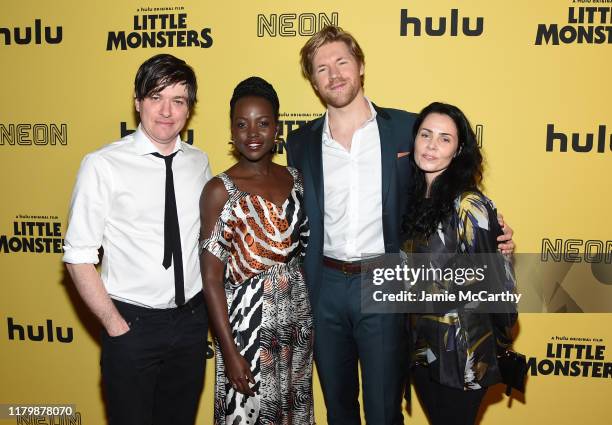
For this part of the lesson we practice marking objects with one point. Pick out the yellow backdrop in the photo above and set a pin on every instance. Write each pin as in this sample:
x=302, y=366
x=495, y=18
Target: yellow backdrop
x=533, y=76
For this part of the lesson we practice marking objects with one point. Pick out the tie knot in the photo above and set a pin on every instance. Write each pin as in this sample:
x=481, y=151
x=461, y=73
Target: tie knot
x=167, y=158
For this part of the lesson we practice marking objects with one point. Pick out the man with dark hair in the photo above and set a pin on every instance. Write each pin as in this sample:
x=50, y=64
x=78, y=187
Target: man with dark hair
x=137, y=198
x=357, y=174
x=162, y=71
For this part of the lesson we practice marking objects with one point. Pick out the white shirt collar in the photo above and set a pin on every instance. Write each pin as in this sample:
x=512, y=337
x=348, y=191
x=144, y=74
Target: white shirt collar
x=144, y=146
x=327, y=138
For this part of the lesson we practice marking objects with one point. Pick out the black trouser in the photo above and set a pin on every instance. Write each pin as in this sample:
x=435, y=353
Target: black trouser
x=346, y=338
x=445, y=405
x=154, y=373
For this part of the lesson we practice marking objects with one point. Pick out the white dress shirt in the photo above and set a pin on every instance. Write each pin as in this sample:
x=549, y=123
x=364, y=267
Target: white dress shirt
x=118, y=203
x=353, y=194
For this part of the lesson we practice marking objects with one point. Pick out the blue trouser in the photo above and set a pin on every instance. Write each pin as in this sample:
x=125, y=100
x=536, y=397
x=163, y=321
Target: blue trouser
x=345, y=337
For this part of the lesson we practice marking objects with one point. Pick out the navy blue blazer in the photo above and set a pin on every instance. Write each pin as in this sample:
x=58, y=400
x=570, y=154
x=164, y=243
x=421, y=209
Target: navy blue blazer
x=304, y=152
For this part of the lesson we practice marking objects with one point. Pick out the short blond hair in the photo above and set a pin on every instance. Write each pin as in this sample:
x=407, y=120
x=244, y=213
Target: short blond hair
x=328, y=34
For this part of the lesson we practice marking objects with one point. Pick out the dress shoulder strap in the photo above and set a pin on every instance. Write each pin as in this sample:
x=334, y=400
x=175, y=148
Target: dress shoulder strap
x=297, y=179
x=294, y=172
x=228, y=183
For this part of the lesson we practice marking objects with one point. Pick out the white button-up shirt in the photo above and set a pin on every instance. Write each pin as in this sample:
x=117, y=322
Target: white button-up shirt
x=118, y=203
x=353, y=194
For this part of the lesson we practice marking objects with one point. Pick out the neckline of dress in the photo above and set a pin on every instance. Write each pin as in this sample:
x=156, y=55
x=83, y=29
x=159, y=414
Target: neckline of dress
x=282, y=207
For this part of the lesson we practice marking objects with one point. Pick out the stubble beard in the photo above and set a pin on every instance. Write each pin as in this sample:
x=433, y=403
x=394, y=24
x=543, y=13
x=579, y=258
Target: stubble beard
x=343, y=98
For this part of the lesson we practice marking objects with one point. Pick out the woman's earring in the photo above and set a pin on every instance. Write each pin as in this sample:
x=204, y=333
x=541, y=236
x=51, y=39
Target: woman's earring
x=278, y=141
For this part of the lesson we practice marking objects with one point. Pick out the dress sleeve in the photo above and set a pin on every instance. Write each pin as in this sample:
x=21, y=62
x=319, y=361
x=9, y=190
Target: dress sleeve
x=477, y=234
x=220, y=240
x=304, y=228
x=477, y=227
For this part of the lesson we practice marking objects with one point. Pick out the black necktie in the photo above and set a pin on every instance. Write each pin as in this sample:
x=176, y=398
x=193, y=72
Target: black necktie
x=172, y=235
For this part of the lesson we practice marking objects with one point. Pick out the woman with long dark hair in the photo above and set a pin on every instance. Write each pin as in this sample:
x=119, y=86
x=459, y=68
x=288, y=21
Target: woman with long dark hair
x=455, y=351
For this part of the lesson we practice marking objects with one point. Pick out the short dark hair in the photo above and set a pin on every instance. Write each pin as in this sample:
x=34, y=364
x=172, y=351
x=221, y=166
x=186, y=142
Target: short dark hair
x=257, y=87
x=161, y=71
x=464, y=173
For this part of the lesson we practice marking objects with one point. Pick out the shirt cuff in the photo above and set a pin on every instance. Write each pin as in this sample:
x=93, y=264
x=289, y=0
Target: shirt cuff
x=81, y=255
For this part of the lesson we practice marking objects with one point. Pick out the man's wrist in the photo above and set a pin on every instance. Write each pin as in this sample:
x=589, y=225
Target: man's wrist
x=117, y=327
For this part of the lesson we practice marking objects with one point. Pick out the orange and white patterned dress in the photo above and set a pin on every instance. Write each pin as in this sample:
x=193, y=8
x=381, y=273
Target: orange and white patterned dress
x=262, y=245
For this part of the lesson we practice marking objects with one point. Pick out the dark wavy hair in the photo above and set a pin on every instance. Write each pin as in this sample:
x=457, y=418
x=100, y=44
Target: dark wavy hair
x=161, y=71
x=464, y=173
x=257, y=87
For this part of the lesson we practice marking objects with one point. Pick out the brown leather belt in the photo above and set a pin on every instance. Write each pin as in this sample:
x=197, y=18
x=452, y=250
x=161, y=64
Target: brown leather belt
x=352, y=267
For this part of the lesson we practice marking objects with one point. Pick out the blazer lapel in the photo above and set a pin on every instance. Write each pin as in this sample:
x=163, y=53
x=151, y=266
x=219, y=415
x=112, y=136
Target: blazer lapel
x=387, y=151
x=315, y=155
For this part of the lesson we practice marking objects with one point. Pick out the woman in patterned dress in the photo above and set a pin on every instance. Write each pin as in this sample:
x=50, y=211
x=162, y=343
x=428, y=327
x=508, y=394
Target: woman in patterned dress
x=253, y=237
x=455, y=353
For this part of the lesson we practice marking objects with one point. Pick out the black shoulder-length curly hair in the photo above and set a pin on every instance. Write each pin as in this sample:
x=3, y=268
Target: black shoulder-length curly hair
x=464, y=173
